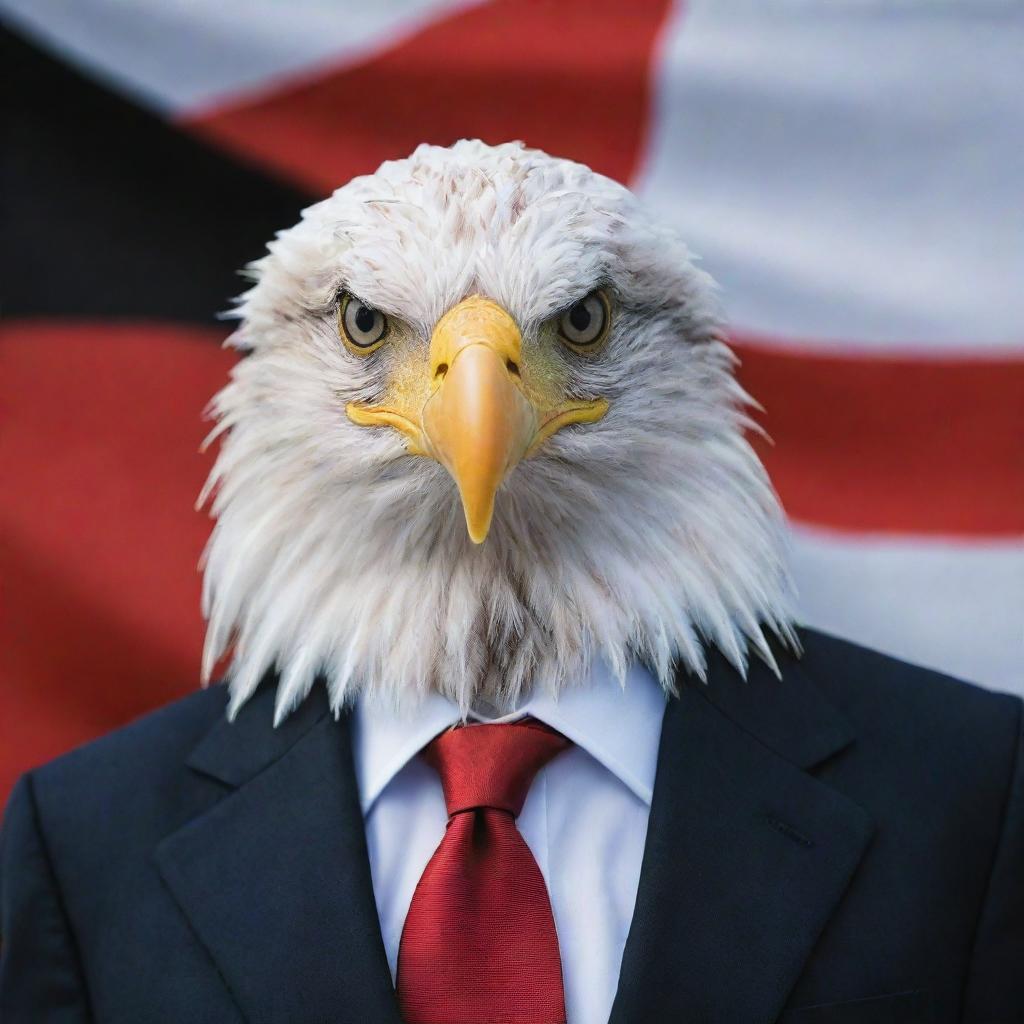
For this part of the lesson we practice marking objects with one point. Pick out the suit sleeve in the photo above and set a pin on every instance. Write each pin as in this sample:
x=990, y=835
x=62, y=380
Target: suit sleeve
x=41, y=979
x=995, y=987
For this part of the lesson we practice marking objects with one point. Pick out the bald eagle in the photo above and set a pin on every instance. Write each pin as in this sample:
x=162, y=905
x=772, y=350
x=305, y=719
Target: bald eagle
x=486, y=429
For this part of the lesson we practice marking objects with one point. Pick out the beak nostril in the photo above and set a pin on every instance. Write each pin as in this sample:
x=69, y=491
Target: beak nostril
x=442, y=369
x=512, y=366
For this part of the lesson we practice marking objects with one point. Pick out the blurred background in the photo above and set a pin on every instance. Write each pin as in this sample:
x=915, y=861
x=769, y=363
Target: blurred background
x=851, y=173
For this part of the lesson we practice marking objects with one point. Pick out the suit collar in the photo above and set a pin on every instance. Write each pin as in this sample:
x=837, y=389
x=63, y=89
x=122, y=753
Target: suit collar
x=233, y=752
x=788, y=713
x=747, y=854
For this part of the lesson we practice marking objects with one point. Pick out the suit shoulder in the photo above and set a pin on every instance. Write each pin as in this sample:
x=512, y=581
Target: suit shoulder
x=141, y=758
x=886, y=696
x=842, y=665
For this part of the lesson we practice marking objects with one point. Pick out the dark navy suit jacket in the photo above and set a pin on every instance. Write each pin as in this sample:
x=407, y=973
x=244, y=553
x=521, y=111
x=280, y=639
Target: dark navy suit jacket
x=846, y=845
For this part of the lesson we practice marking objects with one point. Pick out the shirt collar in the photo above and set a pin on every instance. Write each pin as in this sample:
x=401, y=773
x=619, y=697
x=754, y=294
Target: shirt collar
x=619, y=726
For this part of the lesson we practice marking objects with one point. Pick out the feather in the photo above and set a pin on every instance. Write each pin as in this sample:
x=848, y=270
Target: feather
x=648, y=535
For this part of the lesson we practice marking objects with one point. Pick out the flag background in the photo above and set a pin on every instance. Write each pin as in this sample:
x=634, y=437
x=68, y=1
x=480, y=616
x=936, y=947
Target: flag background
x=850, y=173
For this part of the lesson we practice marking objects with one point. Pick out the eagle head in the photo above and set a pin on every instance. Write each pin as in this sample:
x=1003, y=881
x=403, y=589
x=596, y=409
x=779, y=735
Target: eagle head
x=485, y=429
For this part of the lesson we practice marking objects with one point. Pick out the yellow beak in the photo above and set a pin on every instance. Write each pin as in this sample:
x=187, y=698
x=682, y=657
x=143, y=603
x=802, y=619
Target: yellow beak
x=477, y=422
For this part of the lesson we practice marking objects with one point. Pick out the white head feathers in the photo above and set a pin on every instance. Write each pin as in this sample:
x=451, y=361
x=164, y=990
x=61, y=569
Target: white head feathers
x=336, y=553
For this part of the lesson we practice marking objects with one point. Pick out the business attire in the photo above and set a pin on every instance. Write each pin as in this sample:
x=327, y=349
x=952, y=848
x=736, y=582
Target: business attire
x=584, y=818
x=843, y=845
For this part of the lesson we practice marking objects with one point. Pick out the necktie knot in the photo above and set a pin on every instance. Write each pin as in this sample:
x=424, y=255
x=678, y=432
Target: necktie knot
x=492, y=765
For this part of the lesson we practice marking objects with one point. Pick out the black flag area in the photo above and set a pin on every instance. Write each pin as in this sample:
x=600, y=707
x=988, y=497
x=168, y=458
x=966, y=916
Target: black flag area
x=110, y=211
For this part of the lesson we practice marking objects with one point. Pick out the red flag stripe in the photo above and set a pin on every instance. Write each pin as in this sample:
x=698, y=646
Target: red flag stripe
x=101, y=430
x=573, y=78
x=900, y=444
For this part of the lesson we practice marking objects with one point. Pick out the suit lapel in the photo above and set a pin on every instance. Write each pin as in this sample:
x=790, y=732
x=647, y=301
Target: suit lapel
x=747, y=855
x=275, y=878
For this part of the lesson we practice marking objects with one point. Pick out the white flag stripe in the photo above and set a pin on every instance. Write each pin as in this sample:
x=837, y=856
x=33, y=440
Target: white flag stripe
x=952, y=606
x=180, y=56
x=850, y=173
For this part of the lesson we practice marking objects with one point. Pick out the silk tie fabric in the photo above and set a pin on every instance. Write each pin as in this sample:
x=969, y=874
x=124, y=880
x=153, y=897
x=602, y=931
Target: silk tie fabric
x=479, y=942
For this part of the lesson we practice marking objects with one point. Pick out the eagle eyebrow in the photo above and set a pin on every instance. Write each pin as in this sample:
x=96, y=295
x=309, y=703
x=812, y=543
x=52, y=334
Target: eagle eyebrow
x=603, y=284
x=344, y=289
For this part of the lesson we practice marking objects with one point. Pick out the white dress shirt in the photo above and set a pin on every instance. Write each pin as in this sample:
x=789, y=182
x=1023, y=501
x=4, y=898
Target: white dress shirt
x=585, y=818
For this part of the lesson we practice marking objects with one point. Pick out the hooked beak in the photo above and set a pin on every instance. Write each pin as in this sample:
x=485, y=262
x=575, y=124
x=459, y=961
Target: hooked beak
x=477, y=420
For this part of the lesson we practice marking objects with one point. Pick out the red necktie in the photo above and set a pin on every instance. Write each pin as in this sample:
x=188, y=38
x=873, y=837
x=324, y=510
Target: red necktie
x=479, y=942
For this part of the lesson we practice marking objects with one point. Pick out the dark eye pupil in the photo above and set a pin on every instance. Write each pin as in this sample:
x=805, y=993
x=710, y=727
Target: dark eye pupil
x=579, y=317
x=365, y=319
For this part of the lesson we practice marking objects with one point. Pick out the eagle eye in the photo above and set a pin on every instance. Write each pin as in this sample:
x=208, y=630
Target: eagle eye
x=362, y=328
x=584, y=325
